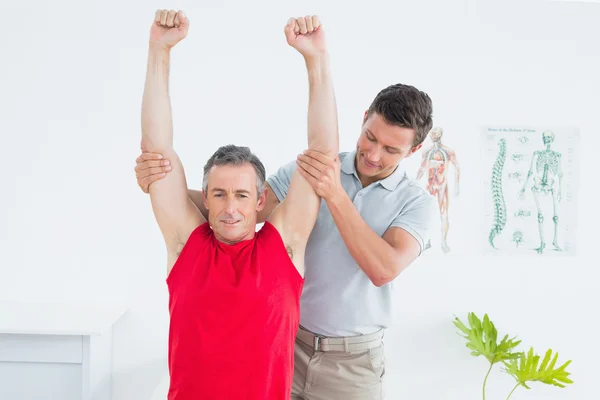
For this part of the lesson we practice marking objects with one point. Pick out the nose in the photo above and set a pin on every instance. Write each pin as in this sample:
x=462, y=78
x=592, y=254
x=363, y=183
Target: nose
x=230, y=208
x=373, y=156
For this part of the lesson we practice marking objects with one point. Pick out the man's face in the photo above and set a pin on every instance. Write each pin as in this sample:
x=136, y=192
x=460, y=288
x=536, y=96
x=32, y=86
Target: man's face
x=381, y=147
x=232, y=202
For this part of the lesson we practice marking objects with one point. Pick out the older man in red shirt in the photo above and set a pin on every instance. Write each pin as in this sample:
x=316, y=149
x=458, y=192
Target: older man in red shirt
x=233, y=292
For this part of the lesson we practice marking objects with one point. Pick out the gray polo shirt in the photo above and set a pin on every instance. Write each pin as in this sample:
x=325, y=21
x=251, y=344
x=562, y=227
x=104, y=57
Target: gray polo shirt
x=338, y=298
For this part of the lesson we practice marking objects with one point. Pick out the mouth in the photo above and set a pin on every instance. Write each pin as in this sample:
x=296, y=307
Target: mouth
x=230, y=221
x=369, y=164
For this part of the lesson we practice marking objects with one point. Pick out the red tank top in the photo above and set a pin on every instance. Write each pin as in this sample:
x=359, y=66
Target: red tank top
x=234, y=313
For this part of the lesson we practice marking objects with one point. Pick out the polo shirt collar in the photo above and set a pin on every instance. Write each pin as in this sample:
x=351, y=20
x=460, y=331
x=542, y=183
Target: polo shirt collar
x=390, y=183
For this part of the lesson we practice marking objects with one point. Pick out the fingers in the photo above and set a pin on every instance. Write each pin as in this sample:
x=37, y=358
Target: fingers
x=316, y=22
x=309, y=23
x=309, y=178
x=146, y=172
x=171, y=18
x=318, y=157
x=144, y=183
x=163, y=17
x=150, y=164
x=182, y=20
x=151, y=170
x=310, y=169
x=291, y=29
x=303, y=25
x=148, y=156
x=146, y=168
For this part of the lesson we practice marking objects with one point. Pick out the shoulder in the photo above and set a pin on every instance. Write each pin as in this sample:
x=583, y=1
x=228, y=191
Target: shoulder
x=415, y=188
x=414, y=194
x=342, y=156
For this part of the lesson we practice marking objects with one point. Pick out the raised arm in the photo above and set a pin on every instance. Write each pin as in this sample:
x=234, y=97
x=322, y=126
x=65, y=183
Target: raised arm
x=296, y=215
x=176, y=215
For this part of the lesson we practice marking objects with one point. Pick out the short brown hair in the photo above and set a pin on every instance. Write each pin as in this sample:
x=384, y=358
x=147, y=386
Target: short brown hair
x=405, y=106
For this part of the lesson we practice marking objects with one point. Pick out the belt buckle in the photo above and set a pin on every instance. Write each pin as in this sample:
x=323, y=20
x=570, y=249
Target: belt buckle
x=316, y=343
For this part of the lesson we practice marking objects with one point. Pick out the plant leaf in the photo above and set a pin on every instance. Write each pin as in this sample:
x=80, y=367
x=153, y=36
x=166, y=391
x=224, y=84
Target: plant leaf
x=482, y=339
x=528, y=369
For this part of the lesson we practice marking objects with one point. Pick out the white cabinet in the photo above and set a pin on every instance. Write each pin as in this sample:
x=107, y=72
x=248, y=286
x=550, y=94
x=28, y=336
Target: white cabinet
x=56, y=351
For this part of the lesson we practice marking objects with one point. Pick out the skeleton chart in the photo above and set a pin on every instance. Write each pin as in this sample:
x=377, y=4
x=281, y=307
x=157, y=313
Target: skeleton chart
x=530, y=190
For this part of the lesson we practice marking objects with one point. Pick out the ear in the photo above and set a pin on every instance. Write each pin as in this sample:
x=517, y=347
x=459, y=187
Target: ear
x=366, y=116
x=415, y=149
x=262, y=200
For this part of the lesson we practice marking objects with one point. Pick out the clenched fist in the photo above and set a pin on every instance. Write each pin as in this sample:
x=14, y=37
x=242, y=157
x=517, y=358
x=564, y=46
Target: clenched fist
x=169, y=27
x=306, y=35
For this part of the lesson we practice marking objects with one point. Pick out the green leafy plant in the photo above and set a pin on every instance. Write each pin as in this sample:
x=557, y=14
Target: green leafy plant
x=526, y=369
x=482, y=340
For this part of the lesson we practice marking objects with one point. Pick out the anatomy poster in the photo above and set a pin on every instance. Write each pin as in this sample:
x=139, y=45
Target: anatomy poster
x=530, y=190
x=437, y=159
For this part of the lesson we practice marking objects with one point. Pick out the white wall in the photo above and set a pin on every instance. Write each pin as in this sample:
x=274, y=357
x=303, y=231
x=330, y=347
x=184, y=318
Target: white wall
x=74, y=226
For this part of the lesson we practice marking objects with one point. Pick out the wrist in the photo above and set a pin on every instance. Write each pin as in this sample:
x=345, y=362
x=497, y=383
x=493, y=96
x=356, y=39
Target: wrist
x=159, y=49
x=336, y=199
x=317, y=59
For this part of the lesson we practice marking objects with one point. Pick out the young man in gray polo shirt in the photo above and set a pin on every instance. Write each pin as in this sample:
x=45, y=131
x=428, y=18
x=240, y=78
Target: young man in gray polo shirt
x=372, y=224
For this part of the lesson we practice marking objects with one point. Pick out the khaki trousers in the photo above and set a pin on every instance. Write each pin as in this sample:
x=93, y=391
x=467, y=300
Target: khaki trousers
x=338, y=368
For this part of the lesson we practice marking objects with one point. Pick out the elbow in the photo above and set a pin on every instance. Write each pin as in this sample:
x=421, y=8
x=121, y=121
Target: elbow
x=381, y=280
x=386, y=273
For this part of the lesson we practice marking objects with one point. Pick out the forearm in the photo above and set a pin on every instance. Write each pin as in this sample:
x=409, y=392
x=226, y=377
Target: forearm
x=322, y=109
x=376, y=257
x=157, y=125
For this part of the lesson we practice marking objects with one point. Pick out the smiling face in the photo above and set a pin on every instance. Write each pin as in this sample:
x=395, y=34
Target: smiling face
x=381, y=147
x=232, y=201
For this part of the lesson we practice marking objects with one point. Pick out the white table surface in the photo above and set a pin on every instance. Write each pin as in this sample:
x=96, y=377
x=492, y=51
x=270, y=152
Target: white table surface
x=58, y=318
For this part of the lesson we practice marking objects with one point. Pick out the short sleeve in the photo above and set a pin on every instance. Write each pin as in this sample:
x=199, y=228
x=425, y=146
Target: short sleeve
x=418, y=218
x=280, y=181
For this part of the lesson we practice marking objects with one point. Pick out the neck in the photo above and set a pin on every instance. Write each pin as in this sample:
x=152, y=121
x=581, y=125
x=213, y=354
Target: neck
x=367, y=180
x=240, y=238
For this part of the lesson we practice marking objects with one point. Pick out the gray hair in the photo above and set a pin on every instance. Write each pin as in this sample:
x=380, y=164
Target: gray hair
x=236, y=155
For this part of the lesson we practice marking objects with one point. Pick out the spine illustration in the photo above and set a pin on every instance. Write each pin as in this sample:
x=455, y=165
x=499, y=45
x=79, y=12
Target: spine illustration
x=497, y=194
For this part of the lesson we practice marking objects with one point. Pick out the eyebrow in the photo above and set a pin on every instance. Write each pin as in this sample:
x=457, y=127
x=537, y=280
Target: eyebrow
x=391, y=147
x=237, y=191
